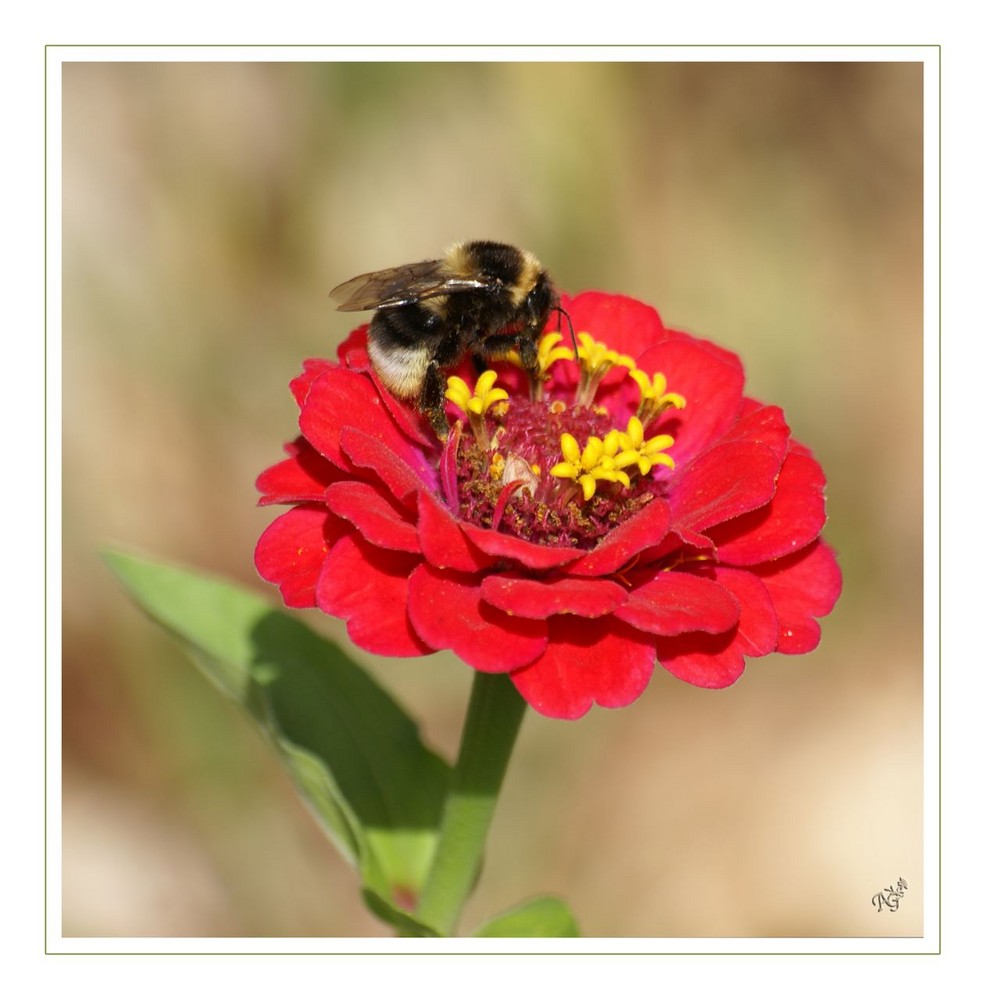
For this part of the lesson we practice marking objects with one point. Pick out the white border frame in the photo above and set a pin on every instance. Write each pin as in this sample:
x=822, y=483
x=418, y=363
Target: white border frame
x=929, y=943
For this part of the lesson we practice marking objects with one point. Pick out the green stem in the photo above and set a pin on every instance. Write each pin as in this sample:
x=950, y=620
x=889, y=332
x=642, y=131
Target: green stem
x=492, y=723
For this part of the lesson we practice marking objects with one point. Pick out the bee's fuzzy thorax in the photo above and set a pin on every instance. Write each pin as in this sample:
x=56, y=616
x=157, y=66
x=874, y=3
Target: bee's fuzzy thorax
x=531, y=270
x=518, y=270
x=460, y=262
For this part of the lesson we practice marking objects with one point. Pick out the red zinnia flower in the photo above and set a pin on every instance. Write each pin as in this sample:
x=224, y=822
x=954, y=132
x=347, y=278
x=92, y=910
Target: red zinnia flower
x=635, y=507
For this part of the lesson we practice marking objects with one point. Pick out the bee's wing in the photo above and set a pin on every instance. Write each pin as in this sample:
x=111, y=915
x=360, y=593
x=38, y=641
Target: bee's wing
x=399, y=286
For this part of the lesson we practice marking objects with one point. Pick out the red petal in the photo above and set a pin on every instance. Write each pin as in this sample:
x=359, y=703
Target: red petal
x=792, y=519
x=644, y=530
x=403, y=469
x=310, y=371
x=723, y=476
x=528, y=554
x=716, y=661
x=711, y=380
x=447, y=613
x=367, y=588
x=298, y=479
x=708, y=661
x=761, y=425
x=338, y=399
x=408, y=419
x=724, y=482
x=677, y=602
x=352, y=351
x=375, y=517
x=621, y=323
x=354, y=356
x=756, y=633
x=442, y=541
x=803, y=587
x=694, y=539
x=447, y=467
x=291, y=551
x=730, y=358
x=586, y=661
x=542, y=598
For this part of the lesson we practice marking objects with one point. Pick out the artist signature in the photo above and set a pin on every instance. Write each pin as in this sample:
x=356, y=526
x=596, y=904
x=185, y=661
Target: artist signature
x=890, y=898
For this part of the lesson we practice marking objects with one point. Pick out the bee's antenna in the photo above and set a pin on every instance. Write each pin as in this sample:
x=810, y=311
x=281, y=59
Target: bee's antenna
x=571, y=330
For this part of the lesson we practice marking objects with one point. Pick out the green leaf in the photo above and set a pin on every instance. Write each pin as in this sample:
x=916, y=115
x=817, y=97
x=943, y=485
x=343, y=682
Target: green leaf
x=351, y=749
x=545, y=916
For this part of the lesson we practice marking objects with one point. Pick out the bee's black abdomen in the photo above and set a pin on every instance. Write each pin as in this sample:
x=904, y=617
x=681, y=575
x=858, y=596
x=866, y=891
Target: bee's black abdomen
x=401, y=343
x=406, y=326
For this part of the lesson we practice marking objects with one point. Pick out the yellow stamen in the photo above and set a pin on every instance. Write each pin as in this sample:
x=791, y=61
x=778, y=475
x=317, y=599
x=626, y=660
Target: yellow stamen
x=549, y=352
x=593, y=354
x=654, y=398
x=596, y=359
x=475, y=404
x=645, y=454
x=597, y=461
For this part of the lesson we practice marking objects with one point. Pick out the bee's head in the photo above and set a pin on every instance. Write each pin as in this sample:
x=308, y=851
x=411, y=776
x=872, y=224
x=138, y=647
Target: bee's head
x=540, y=302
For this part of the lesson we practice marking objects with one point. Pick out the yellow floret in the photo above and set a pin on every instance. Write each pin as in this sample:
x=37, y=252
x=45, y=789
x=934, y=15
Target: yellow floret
x=475, y=404
x=597, y=461
x=596, y=359
x=645, y=454
x=654, y=397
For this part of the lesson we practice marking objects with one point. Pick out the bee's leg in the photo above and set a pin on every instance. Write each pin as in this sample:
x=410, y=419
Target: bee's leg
x=432, y=399
x=528, y=350
x=445, y=354
x=479, y=364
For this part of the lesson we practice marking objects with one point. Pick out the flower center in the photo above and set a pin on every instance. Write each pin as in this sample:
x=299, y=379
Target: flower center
x=557, y=468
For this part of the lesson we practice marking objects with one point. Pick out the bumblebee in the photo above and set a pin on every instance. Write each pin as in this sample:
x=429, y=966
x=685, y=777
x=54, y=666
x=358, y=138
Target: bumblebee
x=481, y=299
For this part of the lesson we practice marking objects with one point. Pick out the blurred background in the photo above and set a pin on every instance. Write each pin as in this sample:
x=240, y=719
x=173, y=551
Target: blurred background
x=208, y=209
